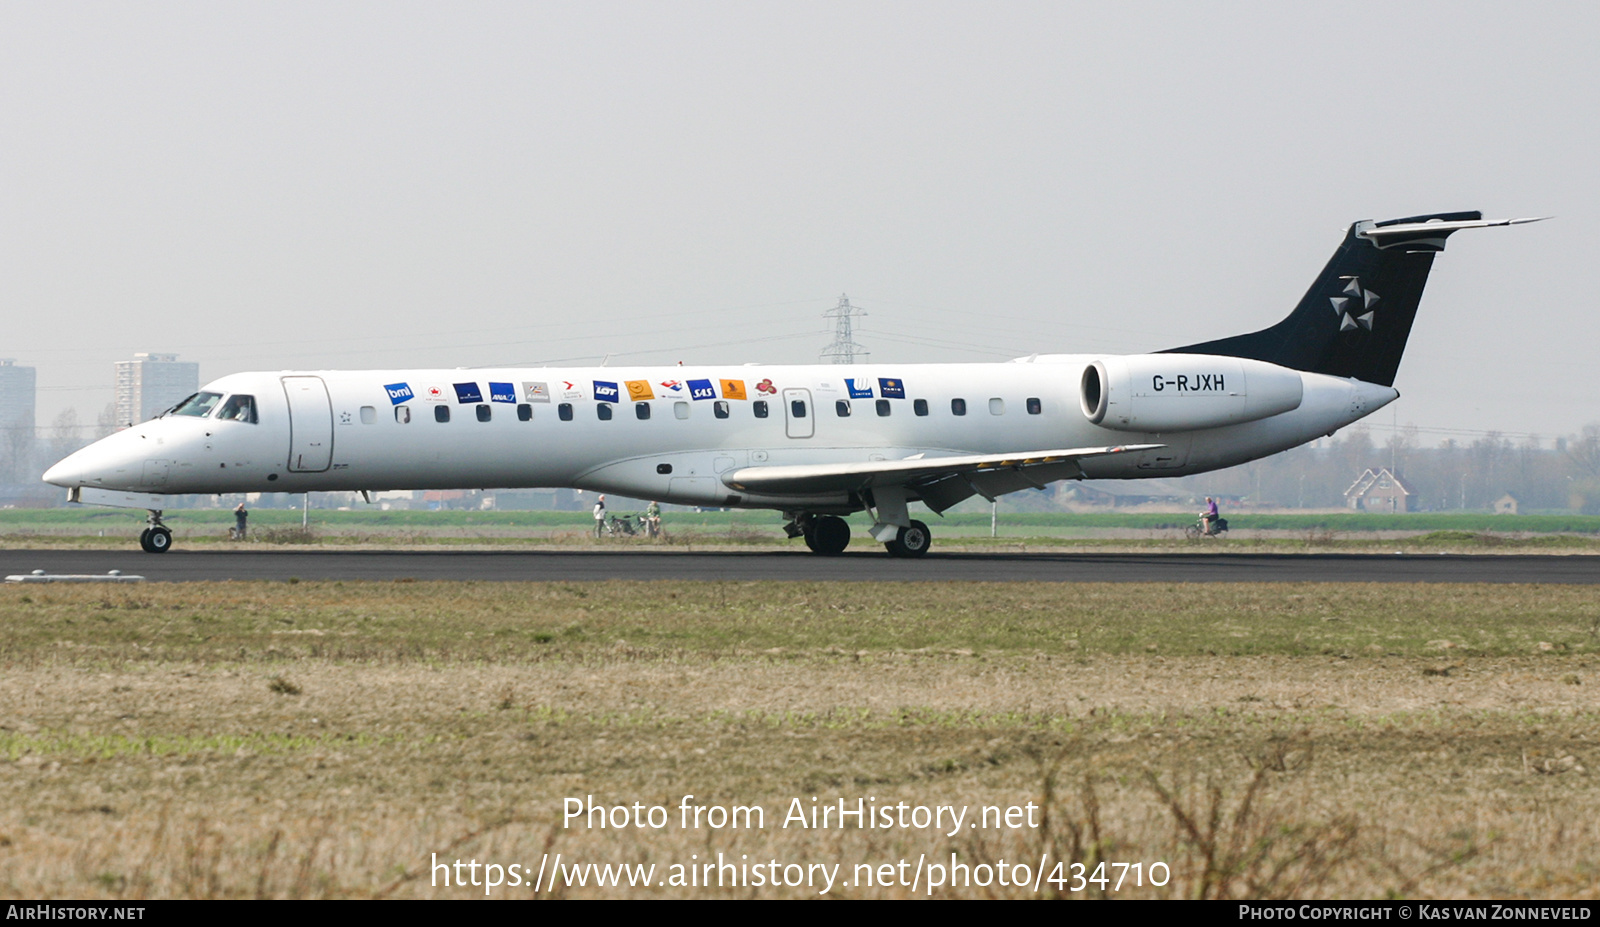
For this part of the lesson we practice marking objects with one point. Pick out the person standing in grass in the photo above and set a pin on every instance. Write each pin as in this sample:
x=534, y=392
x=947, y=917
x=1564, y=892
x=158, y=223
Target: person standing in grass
x=600, y=517
x=240, y=516
x=652, y=519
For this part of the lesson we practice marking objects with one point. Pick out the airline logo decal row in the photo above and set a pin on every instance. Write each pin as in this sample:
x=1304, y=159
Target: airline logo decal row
x=638, y=390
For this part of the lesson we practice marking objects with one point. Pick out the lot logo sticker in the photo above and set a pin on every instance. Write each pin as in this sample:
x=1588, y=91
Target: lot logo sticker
x=702, y=389
x=892, y=389
x=502, y=392
x=733, y=389
x=398, y=392
x=604, y=391
x=536, y=391
x=858, y=392
x=639, y=390
x=468, y=392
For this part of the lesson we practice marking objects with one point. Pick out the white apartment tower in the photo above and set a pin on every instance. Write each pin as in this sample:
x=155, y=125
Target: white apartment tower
x=150, y=384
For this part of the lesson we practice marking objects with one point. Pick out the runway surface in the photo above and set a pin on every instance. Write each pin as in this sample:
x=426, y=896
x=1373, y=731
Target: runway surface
x=867, y=566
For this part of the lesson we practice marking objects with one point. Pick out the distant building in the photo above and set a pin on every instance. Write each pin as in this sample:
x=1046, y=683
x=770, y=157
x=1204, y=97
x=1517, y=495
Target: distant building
x=152, y=383
x=1378, y=491
x=1506, y=505
x=18, y=389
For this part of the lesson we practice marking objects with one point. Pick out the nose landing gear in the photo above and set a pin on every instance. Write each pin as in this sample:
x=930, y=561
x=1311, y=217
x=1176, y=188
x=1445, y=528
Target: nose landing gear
x=157, y=538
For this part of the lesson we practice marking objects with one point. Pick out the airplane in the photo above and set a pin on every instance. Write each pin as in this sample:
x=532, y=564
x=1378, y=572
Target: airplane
x=814, y=443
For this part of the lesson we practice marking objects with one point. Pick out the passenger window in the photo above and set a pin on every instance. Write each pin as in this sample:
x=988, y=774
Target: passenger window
x=759, y=407
x=564, y=411
x=997, y=407
x=369, y=415
x=484, y=412
x=402, y=414
x=720, y=408
x=524, y=413
x=883, y=408
x=958, y=407
x=919, y=406
x=842, y=407
x=641, y=410
x=797, y=408
x=680, y=409
x=1034, y=407
x=603, y=410
x=241, y=408
x=441, y=413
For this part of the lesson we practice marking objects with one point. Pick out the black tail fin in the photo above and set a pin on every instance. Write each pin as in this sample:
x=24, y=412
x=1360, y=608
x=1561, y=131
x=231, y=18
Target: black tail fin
x=1355, y=319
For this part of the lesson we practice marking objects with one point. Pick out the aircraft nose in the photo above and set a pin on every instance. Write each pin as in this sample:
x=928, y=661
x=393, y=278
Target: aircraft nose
x=69, y=471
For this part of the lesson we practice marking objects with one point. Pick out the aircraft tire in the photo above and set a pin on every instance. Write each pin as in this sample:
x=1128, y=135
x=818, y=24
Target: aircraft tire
x=911, y=542
x=156, y=540
x=829, y=535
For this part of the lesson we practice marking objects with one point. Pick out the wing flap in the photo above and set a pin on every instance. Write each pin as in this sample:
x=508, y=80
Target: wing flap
x=979, y=471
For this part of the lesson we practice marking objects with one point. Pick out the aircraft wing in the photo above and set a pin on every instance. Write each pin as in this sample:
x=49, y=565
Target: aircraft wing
x=939, y=481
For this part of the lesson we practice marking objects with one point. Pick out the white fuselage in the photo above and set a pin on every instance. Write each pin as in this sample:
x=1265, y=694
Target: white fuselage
x=509, y=428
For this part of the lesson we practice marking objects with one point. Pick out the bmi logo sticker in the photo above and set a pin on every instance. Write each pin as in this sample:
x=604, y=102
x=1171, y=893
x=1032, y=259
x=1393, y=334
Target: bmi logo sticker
x=702, y=389
x=1353, y=305
x=399, y=392
x=468, y=392
x=639, y=390
x=502, y=392
x=892, y=389
x=536, y=392
x=605, y=392
x=859, y=392
x=733, y=389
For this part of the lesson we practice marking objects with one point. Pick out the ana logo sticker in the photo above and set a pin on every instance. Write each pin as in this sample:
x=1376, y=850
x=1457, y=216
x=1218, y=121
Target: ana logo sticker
x=502, y=392
x=398, y=392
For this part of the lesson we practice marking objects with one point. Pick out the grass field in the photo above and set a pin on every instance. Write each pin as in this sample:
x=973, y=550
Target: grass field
x=325, y=739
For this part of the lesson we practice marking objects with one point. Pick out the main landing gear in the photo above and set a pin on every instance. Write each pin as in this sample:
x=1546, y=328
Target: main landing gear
x=829, y=535
x=157, y=538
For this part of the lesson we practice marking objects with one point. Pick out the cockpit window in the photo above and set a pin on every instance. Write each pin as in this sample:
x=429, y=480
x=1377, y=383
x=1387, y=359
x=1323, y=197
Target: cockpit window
x=240, y=408
x=199, y=405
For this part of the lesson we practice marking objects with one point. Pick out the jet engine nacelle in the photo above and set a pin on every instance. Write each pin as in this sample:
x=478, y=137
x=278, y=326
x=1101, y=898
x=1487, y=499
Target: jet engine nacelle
x=1184, y=392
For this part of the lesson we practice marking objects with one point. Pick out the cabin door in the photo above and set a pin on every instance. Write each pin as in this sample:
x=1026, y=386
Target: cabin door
x=797, y=417
x=310, y=424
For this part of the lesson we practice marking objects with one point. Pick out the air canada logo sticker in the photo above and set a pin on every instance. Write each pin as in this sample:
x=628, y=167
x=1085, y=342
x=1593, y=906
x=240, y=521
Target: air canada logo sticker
x=1354, y=305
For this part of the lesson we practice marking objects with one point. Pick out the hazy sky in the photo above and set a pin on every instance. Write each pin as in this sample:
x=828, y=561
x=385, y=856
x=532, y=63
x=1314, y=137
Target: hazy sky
x=286, y=185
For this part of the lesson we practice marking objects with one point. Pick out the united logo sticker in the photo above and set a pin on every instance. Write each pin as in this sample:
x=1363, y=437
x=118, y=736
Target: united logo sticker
x=467, y=392
x=502, y=392
x=605, y=392
x=702, y=389
x=859, y=392
x=640, y=390
x=398, y=392
x=536, y=392
x=892, y=389
x=733, y=389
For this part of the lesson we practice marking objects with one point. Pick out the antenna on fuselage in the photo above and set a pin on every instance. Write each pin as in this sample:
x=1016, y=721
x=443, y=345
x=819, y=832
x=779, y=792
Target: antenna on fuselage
x=843, y=350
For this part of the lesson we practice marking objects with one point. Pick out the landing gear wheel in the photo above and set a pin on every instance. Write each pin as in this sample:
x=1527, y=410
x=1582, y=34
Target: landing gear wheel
x=156, y=540
x=828, y=535
x=911, y=542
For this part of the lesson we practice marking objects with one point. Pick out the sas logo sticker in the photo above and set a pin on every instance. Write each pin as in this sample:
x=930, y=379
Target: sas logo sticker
x=502, y=392
x=536, y=392
x=858, y=392
x=399, y=392
x=702, y=389
x=765, y=386
x=640, y=390
x=468, y=392
x=605, y=392
x=733, y=389
x=892, y=389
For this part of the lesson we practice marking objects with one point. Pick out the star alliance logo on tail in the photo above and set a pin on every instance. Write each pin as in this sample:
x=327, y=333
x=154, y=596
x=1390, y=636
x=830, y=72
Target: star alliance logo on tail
x=1354, y=305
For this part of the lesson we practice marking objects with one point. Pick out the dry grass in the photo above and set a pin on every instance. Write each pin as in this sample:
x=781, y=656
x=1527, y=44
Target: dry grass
x=322, y=740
